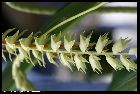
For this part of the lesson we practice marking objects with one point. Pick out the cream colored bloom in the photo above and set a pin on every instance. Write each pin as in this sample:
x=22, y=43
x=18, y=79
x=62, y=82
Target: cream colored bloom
x=39, y=56
x=79, y=63
x=68, y=45
x=95, y=64
x=84, y=42
x=25, y=42
x=120, y=45
x=54, y=44
x=7, y=32
x=65, y=61
x=39, y=42
x=26, y=55
x=11, y=40
x=102, y=42
x=114, y=62
x=50, y=57
x=129, y=64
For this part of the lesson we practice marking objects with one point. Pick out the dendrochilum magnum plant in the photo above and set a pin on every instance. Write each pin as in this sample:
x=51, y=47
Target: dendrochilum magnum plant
x=70, y=52
x=66, y=52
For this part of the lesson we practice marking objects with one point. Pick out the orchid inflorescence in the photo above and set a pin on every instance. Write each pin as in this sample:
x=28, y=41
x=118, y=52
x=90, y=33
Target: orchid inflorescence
x=70, y=53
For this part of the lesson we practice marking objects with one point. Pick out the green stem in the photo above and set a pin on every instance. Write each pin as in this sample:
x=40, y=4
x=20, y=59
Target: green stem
x=88, y=52
x=21, y=81
x=73, y=51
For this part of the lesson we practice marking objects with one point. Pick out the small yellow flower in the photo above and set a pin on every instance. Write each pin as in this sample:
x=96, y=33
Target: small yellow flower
x=54, y=44
x=120, y=45
x=102, y=42
x=39, y=56
x=68, y=45
x=26, y=55
x=11, y=40
x=50, y=57
x=84, y=42
x=64, y=59
x=25, y=42
x=114, y=62
x=129, y=64
x=40, y=42
x=79, y=63
x=7, y=32
x=95, y=64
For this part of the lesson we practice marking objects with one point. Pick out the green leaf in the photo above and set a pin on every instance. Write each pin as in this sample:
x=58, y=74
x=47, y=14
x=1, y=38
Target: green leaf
x=123, y=81
x=7, y=81
x=35, y=9
x=21, y=81
x=31, y=8
x=72, y=11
